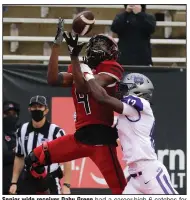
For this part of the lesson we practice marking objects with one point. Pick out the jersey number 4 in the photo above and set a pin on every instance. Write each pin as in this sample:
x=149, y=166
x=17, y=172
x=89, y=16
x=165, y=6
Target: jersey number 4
x=83, y=98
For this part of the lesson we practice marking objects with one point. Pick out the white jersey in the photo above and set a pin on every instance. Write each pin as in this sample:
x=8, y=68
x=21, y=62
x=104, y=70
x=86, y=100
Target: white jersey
x=135, y=127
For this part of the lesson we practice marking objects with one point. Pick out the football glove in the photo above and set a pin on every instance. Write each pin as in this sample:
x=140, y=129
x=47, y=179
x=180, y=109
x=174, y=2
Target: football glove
x=73, y=46
x=60, y=30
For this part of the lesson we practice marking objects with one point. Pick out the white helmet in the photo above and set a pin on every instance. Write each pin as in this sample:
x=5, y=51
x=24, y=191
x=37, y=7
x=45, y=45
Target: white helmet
x=136, y=84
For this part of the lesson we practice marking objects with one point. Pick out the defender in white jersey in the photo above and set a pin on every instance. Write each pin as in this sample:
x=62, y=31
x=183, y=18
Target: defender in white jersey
x=135, y=128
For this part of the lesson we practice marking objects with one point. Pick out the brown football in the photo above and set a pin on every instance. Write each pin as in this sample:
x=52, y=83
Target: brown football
x=83, y=22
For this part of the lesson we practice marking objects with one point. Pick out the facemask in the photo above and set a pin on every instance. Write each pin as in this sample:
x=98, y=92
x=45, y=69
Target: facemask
x=9, y=123
x=37, y=115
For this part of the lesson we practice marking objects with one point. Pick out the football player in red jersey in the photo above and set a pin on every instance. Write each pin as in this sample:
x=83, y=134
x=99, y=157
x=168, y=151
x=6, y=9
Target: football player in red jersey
x=94, y=136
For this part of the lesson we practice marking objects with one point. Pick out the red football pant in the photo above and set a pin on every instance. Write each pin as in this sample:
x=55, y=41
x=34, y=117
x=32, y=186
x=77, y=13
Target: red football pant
x=66, y=148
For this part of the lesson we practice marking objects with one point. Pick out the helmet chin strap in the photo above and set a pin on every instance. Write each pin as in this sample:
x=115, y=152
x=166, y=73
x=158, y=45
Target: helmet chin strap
x=144, y=96
x=138, y=95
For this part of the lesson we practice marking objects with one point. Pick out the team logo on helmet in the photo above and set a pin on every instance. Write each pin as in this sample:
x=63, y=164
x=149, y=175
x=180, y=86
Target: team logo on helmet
x=138, y=80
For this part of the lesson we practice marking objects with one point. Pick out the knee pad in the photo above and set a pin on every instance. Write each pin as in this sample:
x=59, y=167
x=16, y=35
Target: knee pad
x=32, y=160
x=38, y=172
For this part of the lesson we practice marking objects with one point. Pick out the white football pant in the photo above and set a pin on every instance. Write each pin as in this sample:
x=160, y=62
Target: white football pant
x=154, y=180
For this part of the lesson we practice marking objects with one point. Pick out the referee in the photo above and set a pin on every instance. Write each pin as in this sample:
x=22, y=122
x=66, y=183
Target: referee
x=29, y=136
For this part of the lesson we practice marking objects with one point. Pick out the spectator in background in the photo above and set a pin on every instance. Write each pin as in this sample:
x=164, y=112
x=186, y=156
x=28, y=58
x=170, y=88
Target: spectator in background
x=134, y=28
x=10, y=118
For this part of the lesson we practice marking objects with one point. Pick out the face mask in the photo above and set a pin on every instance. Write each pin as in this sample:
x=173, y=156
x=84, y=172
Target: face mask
x=37, y=115
x=9, y=123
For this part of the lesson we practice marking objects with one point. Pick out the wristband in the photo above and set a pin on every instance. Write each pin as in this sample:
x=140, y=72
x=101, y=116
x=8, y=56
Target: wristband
x=67, y=185
x=88, y=76
x=13, y=183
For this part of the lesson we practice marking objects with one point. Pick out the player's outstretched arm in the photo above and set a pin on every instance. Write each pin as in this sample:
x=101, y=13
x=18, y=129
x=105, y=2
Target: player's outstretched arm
x=54, y=78
x=74, y=50
x=100, y=95
x=80, y=83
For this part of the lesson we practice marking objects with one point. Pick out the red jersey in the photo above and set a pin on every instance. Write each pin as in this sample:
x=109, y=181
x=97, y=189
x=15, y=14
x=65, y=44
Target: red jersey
x=88, y=110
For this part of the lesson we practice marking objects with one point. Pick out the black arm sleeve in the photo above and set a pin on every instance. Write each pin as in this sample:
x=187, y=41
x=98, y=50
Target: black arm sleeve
x=8, y=155
x=146, y=22
x=119, y=23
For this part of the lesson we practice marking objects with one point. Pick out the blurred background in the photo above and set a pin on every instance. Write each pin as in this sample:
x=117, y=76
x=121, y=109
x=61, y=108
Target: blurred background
x=28, y=32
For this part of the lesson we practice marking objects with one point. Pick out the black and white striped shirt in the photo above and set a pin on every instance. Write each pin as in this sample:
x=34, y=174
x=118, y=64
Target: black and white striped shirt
x=28, y=138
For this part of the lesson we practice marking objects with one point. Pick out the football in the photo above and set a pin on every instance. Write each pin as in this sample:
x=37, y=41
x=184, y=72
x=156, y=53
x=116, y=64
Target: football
x=83, y=23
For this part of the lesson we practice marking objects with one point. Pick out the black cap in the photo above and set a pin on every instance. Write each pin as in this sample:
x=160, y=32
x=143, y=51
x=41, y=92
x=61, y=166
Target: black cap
x=39, y=100
x=11, y=105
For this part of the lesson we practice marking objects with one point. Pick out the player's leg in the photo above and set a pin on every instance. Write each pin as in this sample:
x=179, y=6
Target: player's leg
x=131, y=188
x=105, y=157
x=162, y=183
x=63, y=149
x=155, y=179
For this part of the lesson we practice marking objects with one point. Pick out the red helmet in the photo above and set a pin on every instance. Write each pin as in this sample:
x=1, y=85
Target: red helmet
x=99, y=48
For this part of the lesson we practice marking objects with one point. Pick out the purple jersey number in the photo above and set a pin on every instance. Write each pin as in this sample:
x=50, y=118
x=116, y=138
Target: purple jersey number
x=134, y=102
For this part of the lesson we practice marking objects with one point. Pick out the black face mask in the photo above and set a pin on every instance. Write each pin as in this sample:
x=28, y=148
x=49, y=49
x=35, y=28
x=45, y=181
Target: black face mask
x=9, y=123
x=37, y=115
